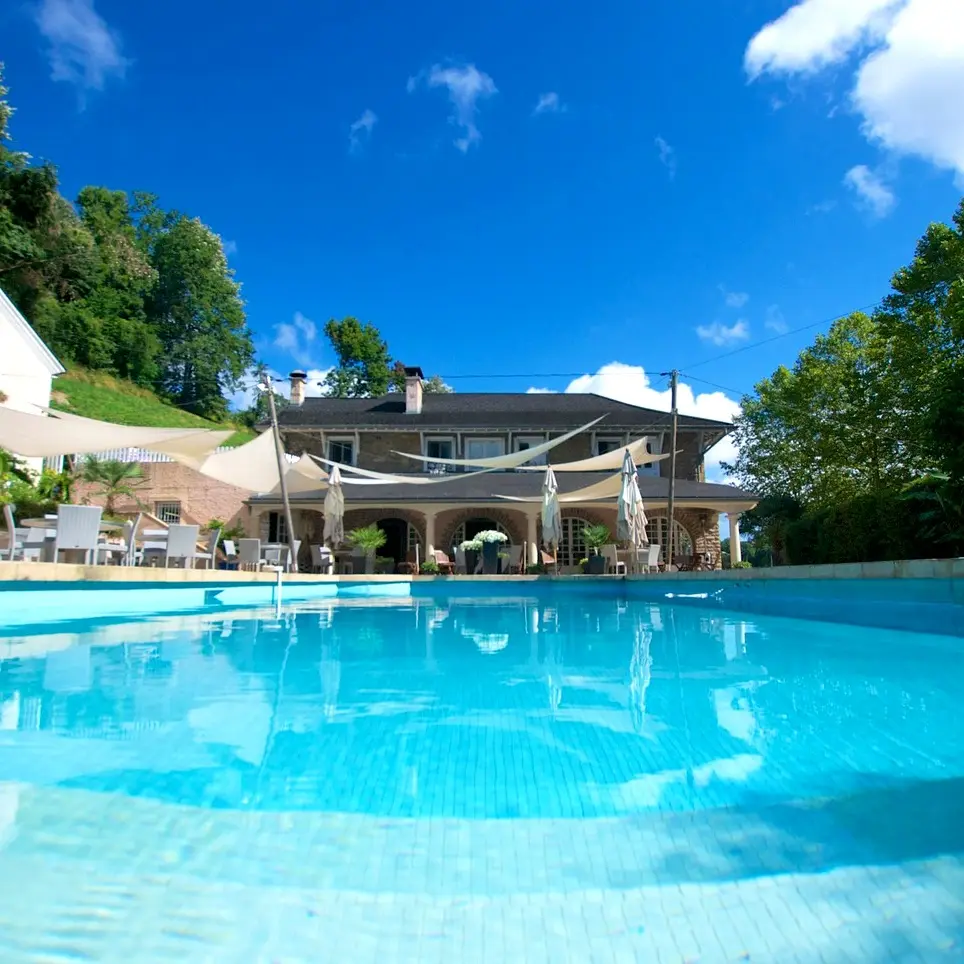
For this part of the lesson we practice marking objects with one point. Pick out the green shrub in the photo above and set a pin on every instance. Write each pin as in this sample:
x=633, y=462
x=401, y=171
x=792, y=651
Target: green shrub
x=429, y=568
x=744, y=564
x=596, y=536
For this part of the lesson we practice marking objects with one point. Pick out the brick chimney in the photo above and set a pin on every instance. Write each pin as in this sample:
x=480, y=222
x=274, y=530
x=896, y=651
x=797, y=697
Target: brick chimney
x=298, y=379
x=413, y=391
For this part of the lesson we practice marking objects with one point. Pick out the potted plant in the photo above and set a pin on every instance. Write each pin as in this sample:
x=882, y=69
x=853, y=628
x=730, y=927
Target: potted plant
x=429, y=568
x=583, y=566
x=595, y=537
x=368, y=539
x=471, y=548
x=491, y=540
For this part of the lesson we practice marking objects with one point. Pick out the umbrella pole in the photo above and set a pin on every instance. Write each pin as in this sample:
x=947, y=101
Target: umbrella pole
x=280, y=455
x=671, y=506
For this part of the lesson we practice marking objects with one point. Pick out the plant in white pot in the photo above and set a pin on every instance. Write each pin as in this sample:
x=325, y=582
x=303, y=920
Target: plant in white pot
x=595, y=537
x=492, y=540
x=366, y=541
x=471, y=548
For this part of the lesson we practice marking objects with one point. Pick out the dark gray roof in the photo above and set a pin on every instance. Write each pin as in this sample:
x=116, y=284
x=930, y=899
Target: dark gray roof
x=485, y=488
x=492, y=410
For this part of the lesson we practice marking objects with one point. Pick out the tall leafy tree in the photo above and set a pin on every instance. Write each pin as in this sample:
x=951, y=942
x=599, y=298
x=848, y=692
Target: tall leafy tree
x=364, y=366
x=435, y=386
x=833, y=425
x=198, y=315
x=923, y=321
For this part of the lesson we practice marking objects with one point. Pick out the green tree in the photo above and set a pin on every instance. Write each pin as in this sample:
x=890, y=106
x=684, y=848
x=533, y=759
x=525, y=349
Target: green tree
x=833, y=425
x=435, y=386
x=364, y=366
x=110, y=479
x=923, y=321
x=197, y=312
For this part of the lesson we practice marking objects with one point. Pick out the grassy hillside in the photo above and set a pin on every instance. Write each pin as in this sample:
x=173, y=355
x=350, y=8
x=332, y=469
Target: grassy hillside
x=100, y=396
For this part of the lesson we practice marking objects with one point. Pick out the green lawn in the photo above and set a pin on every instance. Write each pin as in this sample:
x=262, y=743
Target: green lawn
x=100, y=396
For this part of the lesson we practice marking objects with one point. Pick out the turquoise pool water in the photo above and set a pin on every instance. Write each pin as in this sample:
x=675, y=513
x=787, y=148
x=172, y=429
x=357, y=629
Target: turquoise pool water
x=566, y=776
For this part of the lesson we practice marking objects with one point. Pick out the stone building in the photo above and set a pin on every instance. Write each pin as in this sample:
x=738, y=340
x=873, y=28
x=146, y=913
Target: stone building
x=370, y=433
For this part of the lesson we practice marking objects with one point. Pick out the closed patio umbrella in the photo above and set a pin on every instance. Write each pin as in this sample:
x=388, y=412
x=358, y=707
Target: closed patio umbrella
x=551, y=517
x=631, y=517
x=334, y=533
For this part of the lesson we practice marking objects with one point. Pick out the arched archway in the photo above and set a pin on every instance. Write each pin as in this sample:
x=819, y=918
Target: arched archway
x=470, y=528
x=658, y=532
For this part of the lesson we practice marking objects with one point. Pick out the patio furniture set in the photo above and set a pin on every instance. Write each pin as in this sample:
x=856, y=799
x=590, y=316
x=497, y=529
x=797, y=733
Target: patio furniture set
x=79, y=533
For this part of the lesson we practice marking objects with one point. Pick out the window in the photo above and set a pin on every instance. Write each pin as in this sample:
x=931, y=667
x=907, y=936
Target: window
x=524, y=443
x=652, y=448
x=609, y=444
x=440, y=448
x=472, y=527
x=658, y=533
x=342, y=450
x=573, y=545
x=277, y=528
x=484, y=448
x=168, y=512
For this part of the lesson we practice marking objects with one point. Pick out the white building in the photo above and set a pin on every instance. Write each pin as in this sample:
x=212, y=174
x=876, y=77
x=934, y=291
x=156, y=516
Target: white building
x=27, y=366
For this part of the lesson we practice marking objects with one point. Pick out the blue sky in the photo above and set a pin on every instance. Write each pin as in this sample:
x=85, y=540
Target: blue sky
x=520, y=188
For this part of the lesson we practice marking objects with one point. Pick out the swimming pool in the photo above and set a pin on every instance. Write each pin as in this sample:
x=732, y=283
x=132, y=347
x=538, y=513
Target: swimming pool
x=561, y=776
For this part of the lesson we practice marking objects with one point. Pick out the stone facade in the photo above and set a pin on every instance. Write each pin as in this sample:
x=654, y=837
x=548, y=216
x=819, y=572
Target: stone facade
x=200, y=497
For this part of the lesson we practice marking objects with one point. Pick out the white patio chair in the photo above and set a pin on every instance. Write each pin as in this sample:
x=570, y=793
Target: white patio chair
x=209, y=555
x=230, y=553
x=35, y=544
x=652, y=557
x=459, y=554
x=322, y=560
x=106, y=551
x=613, y=563
x=181, y=544
x=14, y=538
x=515, y=558
x=249, y=554
x=78, y=530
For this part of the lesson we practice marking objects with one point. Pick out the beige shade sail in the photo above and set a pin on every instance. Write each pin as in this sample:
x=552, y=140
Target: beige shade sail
x=513, y=459
x=254, y=466
x=608, y=462
x=370, y=477
x=608, y=488
x=60, y=433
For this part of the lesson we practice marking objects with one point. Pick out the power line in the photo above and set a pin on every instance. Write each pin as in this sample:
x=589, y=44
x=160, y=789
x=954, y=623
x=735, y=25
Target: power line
x=782, y=334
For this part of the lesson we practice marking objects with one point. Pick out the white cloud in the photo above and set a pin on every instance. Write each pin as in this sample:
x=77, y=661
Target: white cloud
x=361, y=128
x=631, y=384
x=83, y=49
x=549, y=104
x=229, y=247
x=909, y=66
x=775, y=321
x=720, y=334
x=872, y=193
x=734, y=299
x=667, y=156
x=822, y=207
x=466, y=86
x=297, y=338
x=540, y=391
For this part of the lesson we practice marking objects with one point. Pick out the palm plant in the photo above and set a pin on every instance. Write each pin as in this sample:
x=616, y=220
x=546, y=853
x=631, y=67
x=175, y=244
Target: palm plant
x=111, y=479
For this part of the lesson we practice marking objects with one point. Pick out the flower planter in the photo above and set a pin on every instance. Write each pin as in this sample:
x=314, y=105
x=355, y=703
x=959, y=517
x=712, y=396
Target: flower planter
x=471, y=561
x=490, y=558
x=596, y=565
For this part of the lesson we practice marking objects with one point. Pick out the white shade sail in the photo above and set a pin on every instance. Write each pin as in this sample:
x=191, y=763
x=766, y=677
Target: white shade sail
x=608, y=461
x=254, y=466
x=334, y=533
x=602, y=491
x=370, y=477
x=513, y=459
x=60, y=433
x=551, y=516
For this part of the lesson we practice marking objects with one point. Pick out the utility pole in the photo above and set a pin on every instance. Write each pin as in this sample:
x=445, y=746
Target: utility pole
x=282, y=465
x=671, y=505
